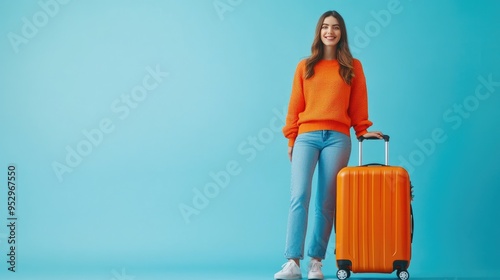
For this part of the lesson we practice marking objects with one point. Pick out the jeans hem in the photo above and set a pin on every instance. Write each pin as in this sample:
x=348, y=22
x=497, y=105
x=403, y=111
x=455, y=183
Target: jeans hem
x=316, y=257
x=294, y=258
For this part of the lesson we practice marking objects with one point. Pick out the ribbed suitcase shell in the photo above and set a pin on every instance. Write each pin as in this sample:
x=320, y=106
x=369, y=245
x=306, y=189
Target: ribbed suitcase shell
x=373, y=219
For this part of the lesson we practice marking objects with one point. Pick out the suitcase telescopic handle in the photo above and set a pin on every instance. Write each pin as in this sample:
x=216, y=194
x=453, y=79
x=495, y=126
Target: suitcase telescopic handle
x=385, y=137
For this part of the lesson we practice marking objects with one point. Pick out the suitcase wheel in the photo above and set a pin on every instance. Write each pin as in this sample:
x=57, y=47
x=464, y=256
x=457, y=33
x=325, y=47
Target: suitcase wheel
x=403, y=275
x=343, y=274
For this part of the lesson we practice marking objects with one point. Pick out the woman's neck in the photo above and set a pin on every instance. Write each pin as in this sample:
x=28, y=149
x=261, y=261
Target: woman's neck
x=330, y=53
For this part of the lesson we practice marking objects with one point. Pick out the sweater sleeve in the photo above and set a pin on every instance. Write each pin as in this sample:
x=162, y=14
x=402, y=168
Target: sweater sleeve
x=358, y=104
x=296, y=105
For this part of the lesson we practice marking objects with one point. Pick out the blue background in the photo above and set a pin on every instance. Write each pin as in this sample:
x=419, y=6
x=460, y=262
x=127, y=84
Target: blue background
x=212, y=126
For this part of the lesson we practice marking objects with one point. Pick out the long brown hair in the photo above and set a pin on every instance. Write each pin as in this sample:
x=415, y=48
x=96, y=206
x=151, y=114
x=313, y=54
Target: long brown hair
x=344, y=56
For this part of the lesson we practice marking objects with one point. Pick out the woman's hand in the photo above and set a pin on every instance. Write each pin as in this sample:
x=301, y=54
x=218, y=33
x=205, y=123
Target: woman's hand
x=376, y=134
x=290, y=150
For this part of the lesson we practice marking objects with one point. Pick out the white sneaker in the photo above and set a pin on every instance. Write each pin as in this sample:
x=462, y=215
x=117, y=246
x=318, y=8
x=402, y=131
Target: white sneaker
x=290, y=270
x=315, y=270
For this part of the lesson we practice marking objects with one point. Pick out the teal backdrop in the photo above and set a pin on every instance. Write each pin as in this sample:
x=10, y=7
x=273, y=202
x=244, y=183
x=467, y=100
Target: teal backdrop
x=146, y=135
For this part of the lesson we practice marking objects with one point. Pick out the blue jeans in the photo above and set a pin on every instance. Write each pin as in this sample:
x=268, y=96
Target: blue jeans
x=330, y=150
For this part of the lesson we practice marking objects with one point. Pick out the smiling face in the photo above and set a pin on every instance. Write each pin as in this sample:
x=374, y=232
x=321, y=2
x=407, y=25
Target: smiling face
x=330, y=32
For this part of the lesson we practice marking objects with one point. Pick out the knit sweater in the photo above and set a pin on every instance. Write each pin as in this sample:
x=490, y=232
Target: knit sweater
x=326, y=102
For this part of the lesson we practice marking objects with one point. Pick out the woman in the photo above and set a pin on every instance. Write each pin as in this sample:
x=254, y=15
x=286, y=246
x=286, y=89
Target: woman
x=328, y=97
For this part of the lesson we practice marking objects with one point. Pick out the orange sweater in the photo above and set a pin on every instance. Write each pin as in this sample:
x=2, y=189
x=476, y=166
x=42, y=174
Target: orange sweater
x=326, y=102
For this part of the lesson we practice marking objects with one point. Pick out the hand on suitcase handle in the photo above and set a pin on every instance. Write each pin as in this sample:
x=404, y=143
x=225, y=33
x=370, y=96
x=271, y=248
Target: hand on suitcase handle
x=373, y=136
x=384, y=136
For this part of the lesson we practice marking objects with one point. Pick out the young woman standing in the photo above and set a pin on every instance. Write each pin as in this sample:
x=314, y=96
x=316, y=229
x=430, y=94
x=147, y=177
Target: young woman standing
x=328, y=97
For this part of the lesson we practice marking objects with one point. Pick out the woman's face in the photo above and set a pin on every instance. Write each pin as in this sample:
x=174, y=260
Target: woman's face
x=330, y=32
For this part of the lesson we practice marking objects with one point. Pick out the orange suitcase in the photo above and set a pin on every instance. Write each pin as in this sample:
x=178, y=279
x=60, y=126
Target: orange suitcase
x=374, y=219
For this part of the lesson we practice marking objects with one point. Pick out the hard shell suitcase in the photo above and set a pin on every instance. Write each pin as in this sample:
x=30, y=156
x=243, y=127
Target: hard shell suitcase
x=374, y=219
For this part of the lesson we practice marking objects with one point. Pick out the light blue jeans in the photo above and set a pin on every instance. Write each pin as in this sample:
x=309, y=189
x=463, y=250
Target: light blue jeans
x=330, y=151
